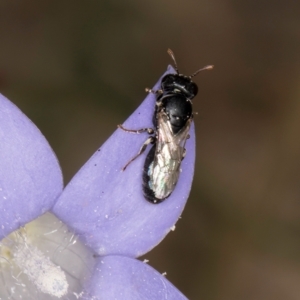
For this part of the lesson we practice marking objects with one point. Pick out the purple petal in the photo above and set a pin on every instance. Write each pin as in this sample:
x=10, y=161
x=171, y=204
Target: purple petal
x=30, y=178
x=122, y=278
x=106, y=206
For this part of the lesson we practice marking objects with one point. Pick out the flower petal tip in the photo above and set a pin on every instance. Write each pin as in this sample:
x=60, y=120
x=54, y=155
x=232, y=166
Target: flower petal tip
x=106, y=206
x=30, y=178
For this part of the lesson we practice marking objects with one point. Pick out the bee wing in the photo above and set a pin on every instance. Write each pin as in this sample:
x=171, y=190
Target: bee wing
x=165, y=169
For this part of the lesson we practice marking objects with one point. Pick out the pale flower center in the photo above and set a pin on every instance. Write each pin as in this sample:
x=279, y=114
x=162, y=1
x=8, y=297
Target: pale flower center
x=43, y=260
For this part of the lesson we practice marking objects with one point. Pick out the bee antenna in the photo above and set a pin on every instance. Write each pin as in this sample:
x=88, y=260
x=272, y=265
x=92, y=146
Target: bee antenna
x=170, y=52
x=209, y=67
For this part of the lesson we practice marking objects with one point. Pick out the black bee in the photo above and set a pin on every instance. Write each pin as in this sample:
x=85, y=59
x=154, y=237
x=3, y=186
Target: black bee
x=172, y=121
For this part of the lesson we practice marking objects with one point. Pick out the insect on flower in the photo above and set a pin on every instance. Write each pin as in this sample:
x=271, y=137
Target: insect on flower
x=172, y=121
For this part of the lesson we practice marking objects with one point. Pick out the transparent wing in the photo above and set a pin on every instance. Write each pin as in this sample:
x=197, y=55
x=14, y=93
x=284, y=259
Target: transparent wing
x=165, y=169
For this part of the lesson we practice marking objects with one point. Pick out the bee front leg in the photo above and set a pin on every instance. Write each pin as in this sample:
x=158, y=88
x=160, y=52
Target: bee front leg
x=137, y=131
x=157, y=92
x=150, y=140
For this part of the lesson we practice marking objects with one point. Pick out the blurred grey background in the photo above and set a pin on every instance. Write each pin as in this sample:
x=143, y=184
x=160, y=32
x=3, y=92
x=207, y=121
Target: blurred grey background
x=79, y=68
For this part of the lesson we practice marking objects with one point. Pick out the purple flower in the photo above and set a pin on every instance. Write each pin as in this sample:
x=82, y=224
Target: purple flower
x=30, y=177
x=119, y=277
x=105, y=205
x=106, y=208
x=30, y=182
x=102, y=204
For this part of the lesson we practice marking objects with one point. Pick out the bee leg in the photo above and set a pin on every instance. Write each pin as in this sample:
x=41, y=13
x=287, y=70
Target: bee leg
x=150, y=140
x=149, y=130
x=183, y=154
x=157, y=92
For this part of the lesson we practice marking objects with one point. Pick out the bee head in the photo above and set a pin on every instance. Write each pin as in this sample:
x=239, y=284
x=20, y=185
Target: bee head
x=178, y=83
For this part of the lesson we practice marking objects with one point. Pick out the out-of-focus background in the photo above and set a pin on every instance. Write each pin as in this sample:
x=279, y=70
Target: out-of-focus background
x=79, y=68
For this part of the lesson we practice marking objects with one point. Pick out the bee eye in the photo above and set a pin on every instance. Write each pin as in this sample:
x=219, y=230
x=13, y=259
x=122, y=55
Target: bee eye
x=168, y=80
x=192, y=88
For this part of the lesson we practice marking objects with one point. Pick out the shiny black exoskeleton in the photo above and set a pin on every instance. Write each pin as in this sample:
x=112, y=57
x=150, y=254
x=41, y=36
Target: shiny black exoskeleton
x=173, y=101
x=177, y=92
x=172, y=120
